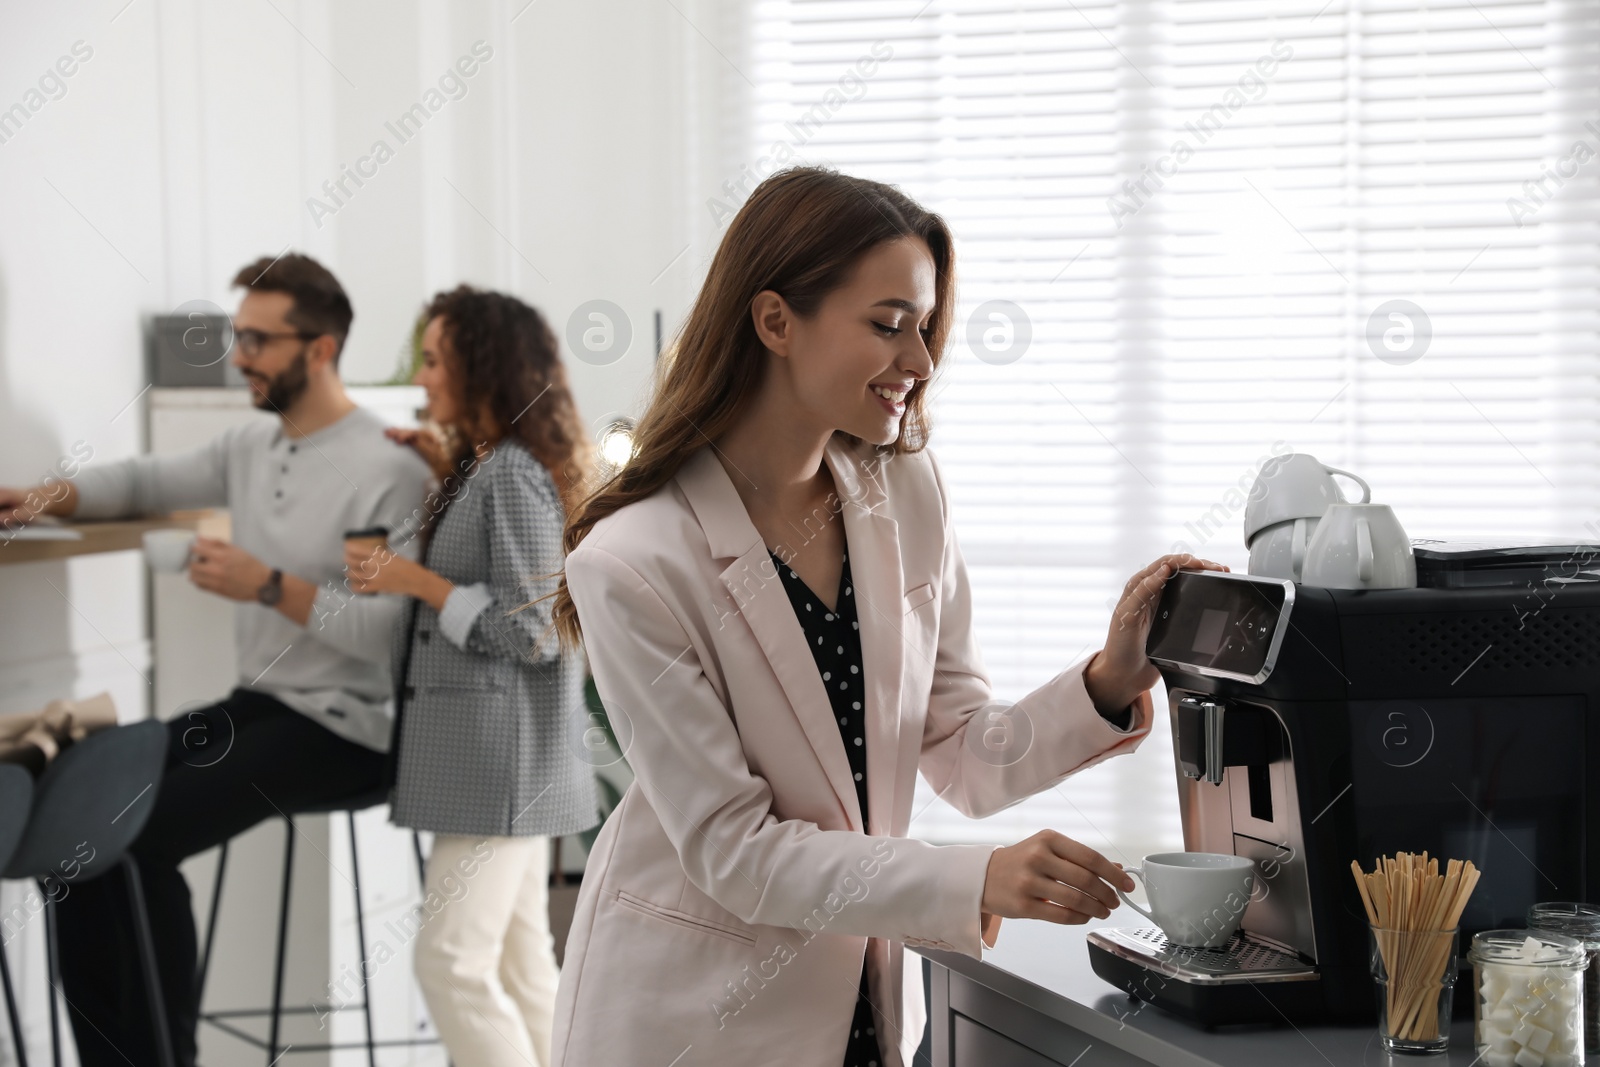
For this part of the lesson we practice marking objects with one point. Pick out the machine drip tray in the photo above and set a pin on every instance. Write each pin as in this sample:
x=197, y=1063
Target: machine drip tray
x=1242, y=959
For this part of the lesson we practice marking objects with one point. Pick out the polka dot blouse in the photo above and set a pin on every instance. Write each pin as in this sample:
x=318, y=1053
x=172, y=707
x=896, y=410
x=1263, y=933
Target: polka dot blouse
x=835, y=641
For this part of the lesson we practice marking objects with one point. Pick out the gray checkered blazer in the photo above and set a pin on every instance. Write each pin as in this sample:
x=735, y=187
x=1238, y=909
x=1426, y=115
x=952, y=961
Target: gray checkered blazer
x=483, y=730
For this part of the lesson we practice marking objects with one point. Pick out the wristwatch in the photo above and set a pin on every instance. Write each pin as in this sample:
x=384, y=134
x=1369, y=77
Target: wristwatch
x=271, y=590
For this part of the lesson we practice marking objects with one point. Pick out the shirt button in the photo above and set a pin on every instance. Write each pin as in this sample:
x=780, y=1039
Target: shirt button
x=424, y=634
x=286, y=468
x=279, y=494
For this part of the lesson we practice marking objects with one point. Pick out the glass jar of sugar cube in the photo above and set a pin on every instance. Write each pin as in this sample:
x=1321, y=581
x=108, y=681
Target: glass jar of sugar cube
x=1581, y=921
x=1528, y=1011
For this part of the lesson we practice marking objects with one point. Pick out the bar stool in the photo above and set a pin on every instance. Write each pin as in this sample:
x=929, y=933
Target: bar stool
x=16, y=800
x=100, y=790
x=274, y=1014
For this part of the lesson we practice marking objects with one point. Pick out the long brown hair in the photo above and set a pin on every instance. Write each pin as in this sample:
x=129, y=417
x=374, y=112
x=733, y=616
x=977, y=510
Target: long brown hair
x=508, y=378
x=800, y=234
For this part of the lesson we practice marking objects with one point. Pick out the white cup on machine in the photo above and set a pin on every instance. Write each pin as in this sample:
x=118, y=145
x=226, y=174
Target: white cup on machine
x=1279, y=551
x=168, y=551
x=1360, y=546
x=1197, y=898
x=1286, y=503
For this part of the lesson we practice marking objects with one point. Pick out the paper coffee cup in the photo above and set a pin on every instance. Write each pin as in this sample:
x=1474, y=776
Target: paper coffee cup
x=370, y=539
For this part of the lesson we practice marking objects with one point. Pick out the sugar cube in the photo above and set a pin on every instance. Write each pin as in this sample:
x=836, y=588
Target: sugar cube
x=1528, y=1003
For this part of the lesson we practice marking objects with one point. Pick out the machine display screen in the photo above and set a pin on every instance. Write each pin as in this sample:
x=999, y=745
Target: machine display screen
x=1218, y=624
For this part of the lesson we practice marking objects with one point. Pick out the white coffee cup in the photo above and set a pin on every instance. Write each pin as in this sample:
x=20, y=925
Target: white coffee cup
x=1360, y=546
x=168, y=550
x=1279, y=551
x=1293, y=486
x=1197, y=898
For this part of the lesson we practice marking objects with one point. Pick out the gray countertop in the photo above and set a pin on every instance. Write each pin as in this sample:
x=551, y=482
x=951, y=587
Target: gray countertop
x=1046, y=968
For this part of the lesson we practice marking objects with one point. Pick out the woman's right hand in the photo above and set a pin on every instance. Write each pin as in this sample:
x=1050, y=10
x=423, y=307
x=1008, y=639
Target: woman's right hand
x=1052, y=877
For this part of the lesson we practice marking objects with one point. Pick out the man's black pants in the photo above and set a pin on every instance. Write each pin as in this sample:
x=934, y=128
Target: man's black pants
x=229, y=766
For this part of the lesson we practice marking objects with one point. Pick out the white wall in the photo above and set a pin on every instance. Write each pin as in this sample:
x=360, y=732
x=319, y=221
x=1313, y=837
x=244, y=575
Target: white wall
x=188, y=143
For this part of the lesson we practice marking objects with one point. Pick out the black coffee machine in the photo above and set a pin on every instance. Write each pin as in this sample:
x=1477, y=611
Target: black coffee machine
x=1317, y=726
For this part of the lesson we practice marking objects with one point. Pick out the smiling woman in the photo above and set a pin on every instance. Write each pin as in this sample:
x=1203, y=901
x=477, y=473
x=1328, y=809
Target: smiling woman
x=809, y=232
x=777, y=728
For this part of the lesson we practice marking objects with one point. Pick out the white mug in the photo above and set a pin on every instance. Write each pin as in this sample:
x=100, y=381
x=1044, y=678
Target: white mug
x=1197, y=898
x=1360, y=546
x=1279, y=551
x=168, y=550
x=1293, y=486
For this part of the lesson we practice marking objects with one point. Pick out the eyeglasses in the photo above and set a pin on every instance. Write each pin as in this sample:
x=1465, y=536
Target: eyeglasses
x=251, y=341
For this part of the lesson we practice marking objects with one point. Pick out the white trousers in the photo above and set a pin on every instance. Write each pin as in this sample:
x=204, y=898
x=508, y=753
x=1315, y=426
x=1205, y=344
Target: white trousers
x=486, y=960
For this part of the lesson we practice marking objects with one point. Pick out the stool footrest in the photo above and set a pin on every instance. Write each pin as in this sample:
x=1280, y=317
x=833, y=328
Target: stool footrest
x=219, y=1019
x=273, y=1043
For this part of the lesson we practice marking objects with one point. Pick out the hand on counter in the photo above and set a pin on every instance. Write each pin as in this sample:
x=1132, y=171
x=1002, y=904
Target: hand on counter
x=1052, y=877
x=21, y=506
x=1121, y=671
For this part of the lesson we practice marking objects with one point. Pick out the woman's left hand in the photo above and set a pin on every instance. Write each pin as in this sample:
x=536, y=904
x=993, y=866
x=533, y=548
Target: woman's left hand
x=379, y=570
x=1121, y=671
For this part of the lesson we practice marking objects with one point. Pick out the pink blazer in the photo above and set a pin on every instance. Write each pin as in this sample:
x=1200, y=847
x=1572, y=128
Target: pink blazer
x=731, y=896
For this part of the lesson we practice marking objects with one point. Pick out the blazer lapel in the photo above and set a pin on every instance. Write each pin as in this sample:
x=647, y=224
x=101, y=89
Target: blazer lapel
x=874, y=540
x=759, y=597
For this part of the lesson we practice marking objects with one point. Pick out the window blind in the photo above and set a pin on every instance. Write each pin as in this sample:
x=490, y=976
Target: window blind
x=1194, y=234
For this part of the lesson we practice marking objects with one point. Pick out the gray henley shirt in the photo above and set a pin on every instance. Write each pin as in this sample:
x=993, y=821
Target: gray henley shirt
x=292, y=499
